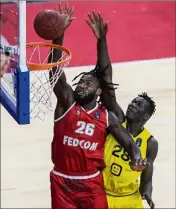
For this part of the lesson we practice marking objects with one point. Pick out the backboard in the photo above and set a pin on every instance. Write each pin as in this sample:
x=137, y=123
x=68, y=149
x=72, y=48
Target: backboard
x=14, y=88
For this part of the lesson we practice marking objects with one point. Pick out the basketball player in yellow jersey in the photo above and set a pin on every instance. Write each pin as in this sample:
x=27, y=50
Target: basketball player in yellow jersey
x=121, y=183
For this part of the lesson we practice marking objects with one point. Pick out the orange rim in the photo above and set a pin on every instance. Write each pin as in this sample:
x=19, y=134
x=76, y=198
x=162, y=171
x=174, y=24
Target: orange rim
x=35, y=66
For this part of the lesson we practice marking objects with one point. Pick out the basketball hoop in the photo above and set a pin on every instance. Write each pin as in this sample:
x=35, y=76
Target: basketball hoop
x=46, y=66
x=41, y=85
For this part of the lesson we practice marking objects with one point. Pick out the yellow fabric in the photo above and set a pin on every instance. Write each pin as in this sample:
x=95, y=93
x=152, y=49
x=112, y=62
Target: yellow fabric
x=119, y=179
x=131, y=201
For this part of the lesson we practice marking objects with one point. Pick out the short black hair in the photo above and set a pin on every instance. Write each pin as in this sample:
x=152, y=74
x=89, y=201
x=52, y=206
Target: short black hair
x=152, y=104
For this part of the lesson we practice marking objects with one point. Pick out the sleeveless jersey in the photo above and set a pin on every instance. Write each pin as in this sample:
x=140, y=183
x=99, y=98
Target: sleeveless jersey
x=119, y=179
x=79, y=139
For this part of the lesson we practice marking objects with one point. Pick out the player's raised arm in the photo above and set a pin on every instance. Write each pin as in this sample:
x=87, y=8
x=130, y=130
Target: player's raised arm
x=125, y=140
x=108, y=97
x=62, y=90
x=147, y=174
x=100, y=29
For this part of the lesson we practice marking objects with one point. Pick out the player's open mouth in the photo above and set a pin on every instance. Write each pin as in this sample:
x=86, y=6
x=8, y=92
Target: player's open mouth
x=80, y=92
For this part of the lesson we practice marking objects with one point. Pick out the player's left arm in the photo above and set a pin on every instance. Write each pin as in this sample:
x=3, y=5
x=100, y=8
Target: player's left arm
x=108, y=96
x=100, y=29
x=125, y=140
x=147, y=174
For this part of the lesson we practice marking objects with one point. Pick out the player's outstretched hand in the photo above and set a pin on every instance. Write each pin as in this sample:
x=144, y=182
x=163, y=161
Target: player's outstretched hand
x=99, y=28
x=68, y=12
x=139, y=165
x=149, y=200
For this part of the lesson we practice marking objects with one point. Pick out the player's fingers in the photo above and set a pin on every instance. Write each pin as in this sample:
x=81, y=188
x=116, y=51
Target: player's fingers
x=136, y=165
x=106, y=26
x=90, y=17
x=141, y=162
x=141, y=165
x=95, y=15
x=66, y=7
x=72, y=18
x=88, y=22
x=71, y=10
x=60, y=7
x=133, y=166
x=100, y=18
x=145, y=162
x=135, y=162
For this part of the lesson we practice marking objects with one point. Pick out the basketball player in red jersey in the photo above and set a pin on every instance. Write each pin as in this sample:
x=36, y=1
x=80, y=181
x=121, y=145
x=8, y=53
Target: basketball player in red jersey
x=79, y=137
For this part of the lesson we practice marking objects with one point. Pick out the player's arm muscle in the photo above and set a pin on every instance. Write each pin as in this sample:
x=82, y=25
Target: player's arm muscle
x=103, y=57
x=123, y=137
x=62, y=89
x=147, y=174
x=99, y=28
x=108, y=96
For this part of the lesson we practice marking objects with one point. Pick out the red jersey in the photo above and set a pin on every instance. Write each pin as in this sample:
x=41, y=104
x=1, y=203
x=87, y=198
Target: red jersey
x=79, y=138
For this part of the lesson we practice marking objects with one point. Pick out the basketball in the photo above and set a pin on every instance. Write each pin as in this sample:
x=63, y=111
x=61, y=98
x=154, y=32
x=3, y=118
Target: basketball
x=49, y=24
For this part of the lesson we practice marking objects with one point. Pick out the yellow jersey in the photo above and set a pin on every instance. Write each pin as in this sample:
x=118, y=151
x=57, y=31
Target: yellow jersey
x=119, y=179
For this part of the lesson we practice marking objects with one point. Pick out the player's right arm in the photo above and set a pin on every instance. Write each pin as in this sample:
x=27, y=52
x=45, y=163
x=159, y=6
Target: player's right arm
x=62, y=90
x=108, y=96
x=147, y=174
x=122, y=136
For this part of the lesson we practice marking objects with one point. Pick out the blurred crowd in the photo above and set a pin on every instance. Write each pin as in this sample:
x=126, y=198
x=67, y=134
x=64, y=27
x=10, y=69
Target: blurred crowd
x=4, y=61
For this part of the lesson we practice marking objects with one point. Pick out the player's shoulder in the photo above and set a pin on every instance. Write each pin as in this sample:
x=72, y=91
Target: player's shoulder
x=152, y=149
x=152, y=143
x=101, y=107
x=147, y=133
x=152, y=140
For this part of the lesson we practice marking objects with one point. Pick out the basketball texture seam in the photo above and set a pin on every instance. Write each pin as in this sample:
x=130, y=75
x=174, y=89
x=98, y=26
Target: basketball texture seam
x=52, y=23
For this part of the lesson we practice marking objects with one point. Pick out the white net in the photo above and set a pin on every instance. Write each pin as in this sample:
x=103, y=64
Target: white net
x=41, y=86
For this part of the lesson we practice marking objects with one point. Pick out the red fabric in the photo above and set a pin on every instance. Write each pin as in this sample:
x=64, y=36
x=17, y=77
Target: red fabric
x=78, y=143
x=71, y=194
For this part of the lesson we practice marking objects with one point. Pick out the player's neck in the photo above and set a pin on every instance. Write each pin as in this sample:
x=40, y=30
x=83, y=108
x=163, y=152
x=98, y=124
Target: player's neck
x=134, y=128
x=90, y=105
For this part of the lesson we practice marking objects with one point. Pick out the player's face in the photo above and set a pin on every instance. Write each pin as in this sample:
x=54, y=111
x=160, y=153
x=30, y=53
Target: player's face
x=137, y=110
x=87, y=90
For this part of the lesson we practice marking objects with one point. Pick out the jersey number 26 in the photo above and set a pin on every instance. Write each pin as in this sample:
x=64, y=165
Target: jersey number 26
x=85, y=128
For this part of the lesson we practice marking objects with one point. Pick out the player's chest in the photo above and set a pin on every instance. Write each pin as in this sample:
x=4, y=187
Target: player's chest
x=118, y=153
x=80, y=125
x=80, y=118
x=81, y=130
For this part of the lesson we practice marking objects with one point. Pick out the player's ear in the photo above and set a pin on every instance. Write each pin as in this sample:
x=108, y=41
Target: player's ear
x=99, y=91
x=146, y=117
